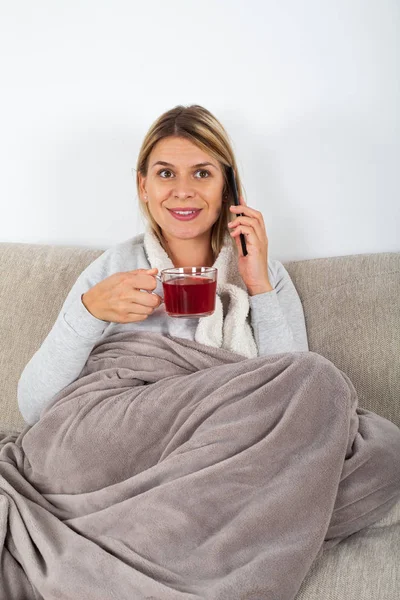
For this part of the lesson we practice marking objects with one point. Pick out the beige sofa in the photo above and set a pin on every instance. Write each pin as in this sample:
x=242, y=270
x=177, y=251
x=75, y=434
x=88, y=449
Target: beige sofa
x=352, y=311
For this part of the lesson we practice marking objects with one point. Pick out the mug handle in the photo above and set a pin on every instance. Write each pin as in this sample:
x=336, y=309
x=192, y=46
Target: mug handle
x=159, y=279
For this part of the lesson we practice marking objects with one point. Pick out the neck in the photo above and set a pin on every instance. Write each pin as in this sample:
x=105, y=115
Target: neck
x=190, y=253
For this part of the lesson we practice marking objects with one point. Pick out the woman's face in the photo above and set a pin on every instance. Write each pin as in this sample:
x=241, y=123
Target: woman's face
x=182, y=184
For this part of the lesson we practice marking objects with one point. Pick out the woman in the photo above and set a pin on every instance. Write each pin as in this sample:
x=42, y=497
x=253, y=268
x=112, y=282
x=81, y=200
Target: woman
x=223, y=478
x=182, y=164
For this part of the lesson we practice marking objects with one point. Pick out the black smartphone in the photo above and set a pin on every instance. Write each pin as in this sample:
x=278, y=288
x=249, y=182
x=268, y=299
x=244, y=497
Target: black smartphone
x=232, y=184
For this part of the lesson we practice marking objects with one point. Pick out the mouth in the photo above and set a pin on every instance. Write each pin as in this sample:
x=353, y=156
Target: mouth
x=185, y=214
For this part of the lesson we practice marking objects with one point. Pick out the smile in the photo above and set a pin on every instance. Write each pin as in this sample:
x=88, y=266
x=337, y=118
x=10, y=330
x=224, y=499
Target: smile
x=185, y=215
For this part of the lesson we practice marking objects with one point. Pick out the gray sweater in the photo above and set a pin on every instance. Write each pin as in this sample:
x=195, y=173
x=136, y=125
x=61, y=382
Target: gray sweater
x=276, y=318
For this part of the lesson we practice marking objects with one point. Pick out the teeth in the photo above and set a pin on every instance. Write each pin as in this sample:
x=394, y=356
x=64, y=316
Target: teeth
x=187, y=212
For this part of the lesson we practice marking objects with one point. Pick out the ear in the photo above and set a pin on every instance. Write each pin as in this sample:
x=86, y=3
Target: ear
x=142, y=187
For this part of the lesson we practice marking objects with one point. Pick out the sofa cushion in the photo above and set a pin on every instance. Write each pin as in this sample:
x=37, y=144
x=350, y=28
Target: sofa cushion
x=352, y=310
x=363, y=566
x=35, y=280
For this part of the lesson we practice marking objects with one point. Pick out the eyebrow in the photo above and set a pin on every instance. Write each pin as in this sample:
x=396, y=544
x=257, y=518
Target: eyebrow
x=167, y=164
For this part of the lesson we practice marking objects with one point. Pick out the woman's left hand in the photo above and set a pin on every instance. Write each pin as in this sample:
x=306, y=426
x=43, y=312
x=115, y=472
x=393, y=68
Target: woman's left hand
x=253, y=267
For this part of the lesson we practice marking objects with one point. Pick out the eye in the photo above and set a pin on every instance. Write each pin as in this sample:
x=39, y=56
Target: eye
x=169, y=171
x=203, y=171
x=164, y=171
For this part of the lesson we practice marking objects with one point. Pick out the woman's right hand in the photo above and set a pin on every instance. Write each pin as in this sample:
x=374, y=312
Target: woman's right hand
x=118, y=298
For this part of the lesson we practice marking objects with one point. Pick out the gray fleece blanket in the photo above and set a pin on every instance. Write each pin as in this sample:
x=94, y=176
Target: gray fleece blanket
x=171, y=470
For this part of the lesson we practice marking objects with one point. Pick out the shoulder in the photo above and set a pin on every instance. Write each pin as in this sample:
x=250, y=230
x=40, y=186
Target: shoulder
x=132, y=248
x=123, y=256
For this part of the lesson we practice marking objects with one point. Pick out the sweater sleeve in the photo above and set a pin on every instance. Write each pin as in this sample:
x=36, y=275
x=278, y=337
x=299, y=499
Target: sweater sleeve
x=277, y=317
x=64, y=352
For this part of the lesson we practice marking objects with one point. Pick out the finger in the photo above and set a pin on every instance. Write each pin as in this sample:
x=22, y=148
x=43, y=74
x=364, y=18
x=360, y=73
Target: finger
x=146, y=298
x=245, y=230
x=249, y=222
x=251, y=237
x=146, y=282
x=250, y=212
x=141, y=271
x=160, y=299
x=140, y=309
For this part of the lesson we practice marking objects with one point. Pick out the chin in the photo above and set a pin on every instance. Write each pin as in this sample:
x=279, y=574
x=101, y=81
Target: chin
x=186, y=230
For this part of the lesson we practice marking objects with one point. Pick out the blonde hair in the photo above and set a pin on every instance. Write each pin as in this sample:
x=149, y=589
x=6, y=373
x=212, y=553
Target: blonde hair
x=200, y=127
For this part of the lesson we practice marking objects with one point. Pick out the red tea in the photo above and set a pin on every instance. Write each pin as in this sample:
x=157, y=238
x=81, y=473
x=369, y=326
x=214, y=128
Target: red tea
x=189, y=296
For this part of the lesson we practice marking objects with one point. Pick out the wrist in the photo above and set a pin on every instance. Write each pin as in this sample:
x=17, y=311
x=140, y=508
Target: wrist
x=260, y=289
x=84, y=300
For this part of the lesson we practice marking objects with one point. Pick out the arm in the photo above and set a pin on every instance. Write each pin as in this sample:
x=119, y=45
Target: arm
x=277, y=316
x=64, y=352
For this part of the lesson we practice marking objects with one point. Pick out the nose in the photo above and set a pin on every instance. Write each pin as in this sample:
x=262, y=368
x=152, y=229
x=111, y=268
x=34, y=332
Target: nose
x=183, y=188
x=182, y=193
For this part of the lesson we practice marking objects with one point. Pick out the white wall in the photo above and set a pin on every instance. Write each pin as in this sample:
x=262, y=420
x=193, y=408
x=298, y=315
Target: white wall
x=308, y=91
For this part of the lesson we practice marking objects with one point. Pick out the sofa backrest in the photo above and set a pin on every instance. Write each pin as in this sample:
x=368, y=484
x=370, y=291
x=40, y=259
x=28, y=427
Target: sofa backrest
x=351, y=306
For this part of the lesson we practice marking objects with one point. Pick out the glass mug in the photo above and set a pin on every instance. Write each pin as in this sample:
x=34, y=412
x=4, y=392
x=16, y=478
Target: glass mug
x=189, y=291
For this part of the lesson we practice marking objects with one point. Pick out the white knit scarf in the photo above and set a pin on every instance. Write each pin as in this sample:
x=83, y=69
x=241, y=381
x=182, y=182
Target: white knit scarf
x=228, y=326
